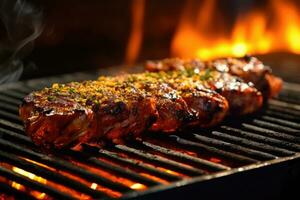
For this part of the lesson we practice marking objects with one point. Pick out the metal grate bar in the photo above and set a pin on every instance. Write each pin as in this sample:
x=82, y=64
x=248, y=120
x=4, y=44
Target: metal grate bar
x=138, y=165
x=225, y=154
x=63, y=165
x=198, y=161
x=257, y=145
x=282, y=122
x=7, y=134
x=176, y=166
x=12, y=126
x=289, y=96
x=284, y=104
x=9, y=108
x=262, y=138
x=273, y=126
x=126, y=173
x=280, y=109
x=33, y=184
x=235, y=148
x=282, y=115
x=271, y=133
x=13, y=94
x=9, y=116
x=9, y=100
x=49, y=175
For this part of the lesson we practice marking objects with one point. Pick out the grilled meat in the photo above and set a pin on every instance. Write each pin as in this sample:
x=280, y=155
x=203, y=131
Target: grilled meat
x=114, y=108
x=243, y=98
x=84, y=112
x=250, y=69
x=181, y=101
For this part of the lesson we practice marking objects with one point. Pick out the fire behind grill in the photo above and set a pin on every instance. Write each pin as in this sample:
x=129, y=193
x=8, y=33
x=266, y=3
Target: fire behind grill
x=239, y=159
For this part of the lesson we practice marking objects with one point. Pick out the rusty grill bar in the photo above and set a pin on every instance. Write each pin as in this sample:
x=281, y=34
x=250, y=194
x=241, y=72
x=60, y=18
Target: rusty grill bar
x=158, y=163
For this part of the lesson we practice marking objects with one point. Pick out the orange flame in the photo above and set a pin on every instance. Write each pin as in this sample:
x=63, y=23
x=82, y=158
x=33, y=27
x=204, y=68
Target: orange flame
x=135, y=38
x=201, y=32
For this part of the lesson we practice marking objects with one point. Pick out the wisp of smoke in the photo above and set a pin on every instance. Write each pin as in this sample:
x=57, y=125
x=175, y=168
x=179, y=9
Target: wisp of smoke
x=23, y=24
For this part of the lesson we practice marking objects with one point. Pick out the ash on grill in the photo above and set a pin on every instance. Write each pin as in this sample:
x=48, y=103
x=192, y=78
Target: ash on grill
x=257, y=148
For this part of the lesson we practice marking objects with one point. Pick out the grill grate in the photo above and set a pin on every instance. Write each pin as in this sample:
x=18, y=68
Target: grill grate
x=139, y=167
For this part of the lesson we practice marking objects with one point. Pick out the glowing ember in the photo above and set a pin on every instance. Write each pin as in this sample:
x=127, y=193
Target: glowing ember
x=215, y=160
x=32, y=176
x=29, y=175
x=171, y=172
x=17, y=186
x=41, y=196
x=94, y=186
x=38, y=195
x=201, y=33
x=138, y=186
x=37, y=163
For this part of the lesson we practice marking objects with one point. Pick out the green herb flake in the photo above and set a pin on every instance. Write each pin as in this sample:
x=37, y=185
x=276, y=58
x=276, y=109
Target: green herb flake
x=190, y=72
x=99, y=90
x=72, y=90
x=50, y=98
x=207, y=75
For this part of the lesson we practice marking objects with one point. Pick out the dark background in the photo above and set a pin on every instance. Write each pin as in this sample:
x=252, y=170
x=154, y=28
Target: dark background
x=91, y=34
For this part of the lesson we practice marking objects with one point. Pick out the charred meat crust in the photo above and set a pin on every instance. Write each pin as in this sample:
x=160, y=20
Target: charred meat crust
x=243, y=98
x=111, y=122
x=112, y=109
x=248, y=68
x=52, y=125
x=115, y=108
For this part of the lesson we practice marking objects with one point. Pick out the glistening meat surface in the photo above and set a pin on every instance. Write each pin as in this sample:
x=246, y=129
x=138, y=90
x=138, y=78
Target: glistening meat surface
x=243, y=98
x=114, y=108
x=179, y=94
x=248, y=68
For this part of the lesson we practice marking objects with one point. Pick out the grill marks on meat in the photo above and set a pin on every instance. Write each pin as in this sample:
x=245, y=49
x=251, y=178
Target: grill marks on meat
x=115, y=108
x=243, y=98
x=94, y=110
x=179, y=94
x=181, y=101
x=248, y=68
x=53, y=122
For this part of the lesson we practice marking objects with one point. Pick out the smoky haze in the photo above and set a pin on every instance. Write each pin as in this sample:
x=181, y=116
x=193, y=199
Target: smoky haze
x=21, y=24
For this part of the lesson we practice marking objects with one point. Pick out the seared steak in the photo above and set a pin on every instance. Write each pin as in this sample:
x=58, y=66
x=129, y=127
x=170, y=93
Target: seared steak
x=115, y=108
x=248, y=68
x=176, y=94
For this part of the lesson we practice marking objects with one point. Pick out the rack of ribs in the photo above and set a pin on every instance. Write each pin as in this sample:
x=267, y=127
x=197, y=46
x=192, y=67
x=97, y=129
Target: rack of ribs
x=112, y=109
